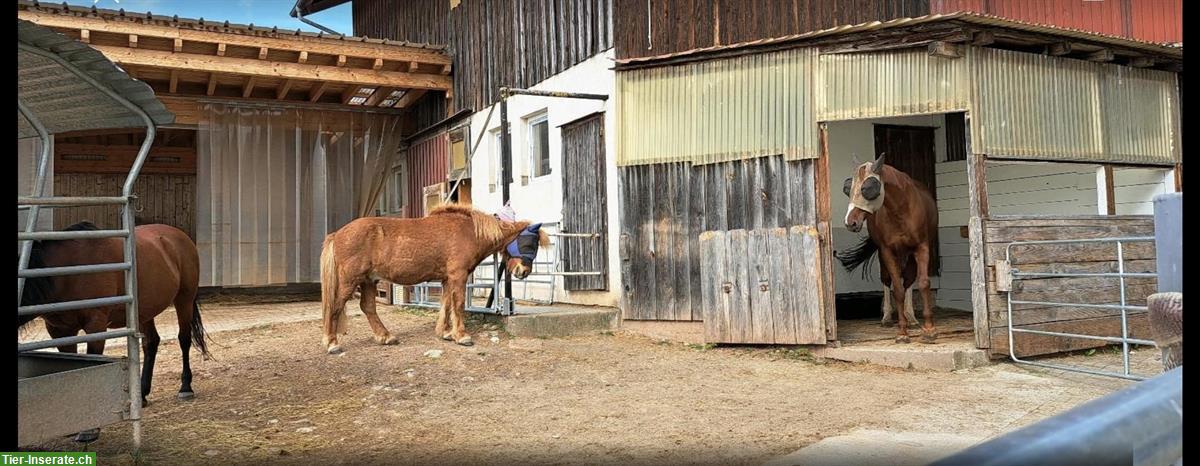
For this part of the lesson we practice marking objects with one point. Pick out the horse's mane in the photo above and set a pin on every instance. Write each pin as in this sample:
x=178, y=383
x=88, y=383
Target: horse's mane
x=40, y=289
x=487, y=226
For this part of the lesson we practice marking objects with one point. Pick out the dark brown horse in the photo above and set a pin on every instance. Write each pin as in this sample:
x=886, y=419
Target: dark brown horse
x=444, y=246
x=168, y=273
x=901, y=218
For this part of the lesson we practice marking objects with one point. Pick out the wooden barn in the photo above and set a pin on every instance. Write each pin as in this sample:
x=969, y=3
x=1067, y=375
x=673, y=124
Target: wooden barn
x=735, y=135
x=281, y=136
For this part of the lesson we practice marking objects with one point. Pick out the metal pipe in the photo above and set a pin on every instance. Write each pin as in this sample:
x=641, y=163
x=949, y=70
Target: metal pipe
x=39, y=189
x=1141, y=424
x=300, y=16
x=505, y=180
x=509, y=91
x=80, y=234
x=1124, y=311
x=1093, y=306
x=1086, y=337
x=77, y=339
x=1080, y=275
x=72, y=270
x=72, y=305
x=64, y=201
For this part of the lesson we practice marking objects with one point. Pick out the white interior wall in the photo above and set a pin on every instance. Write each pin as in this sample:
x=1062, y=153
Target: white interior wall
x=1135, y=188
x=540, y=199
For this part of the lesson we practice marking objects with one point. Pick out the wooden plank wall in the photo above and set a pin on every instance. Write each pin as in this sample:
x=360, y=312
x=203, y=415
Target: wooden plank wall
x=1073, y=258
x=518, y=43
x=416, y=21
x=679, y=25
x=762, y=286
x=585, y=205
x=665, y=207
x=162, y=198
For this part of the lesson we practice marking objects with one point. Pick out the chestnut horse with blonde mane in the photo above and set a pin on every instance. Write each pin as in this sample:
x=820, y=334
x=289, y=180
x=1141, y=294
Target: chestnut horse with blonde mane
x=902, y=229
x=445, y=246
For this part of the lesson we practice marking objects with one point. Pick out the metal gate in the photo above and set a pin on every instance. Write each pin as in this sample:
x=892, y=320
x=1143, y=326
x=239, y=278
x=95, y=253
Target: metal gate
x=546, y=272
x=1010, y=278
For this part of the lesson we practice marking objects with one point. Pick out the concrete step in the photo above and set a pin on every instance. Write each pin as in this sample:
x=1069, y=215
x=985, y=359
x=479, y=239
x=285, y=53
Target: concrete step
x=559, y=321
x=948, y=355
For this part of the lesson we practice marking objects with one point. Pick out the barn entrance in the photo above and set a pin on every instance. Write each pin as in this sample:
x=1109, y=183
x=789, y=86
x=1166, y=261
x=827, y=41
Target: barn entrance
x=930, y=149
x=95, y=163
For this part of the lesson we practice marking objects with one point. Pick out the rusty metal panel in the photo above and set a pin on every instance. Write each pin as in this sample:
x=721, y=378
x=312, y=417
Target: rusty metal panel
x=894, y=83
x=427, y=160
x=1039, y=107
x=1149, y=20
x=719, y=110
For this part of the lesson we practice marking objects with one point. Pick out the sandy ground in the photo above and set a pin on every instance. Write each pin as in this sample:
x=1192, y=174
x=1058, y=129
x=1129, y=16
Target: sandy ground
x=271, y=395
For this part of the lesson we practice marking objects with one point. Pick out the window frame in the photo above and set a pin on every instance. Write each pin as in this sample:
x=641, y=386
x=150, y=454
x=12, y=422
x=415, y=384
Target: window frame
x=532, y=158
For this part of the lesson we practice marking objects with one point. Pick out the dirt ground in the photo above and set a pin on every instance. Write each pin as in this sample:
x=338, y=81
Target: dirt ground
x=271, y=395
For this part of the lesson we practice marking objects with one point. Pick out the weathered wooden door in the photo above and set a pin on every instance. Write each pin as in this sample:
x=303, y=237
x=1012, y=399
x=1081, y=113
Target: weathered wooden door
x=584, y=204
x=762, y=286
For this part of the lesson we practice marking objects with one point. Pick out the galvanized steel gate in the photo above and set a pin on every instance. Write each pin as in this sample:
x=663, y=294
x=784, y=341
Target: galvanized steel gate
x=1009, y=279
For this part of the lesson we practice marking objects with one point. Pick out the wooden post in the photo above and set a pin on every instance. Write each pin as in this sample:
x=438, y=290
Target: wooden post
x=825, y=258
x=1109, y=191
x=977, y=196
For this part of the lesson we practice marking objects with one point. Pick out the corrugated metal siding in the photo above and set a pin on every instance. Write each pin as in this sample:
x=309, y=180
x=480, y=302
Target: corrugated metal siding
x=906, y=82
x=1040, y=107
x=1149, y=20
x=427, y=161
x=719, y=110
x=665, y=207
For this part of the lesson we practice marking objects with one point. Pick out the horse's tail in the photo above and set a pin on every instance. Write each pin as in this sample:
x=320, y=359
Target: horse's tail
x=859, y=255
x=199, y=335
x=329, y=287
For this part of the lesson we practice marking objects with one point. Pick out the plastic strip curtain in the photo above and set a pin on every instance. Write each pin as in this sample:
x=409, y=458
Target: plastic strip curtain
x=272, y=182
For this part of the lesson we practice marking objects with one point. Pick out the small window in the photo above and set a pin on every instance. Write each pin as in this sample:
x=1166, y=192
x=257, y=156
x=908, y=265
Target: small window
x=399, y=193
x=539, y=146
x=494, y=163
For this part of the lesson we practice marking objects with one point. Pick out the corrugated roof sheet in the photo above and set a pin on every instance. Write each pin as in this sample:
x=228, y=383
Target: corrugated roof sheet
x=1170, y=50
x=210, y=25
x=64, y=102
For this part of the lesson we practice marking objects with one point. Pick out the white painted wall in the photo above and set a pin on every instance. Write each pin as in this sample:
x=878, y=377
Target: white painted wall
x=540, y=199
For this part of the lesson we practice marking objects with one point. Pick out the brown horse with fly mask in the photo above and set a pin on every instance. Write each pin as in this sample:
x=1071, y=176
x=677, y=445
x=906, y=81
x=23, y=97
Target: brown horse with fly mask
x=445, y=246
x=168, y=273
x=901, y=218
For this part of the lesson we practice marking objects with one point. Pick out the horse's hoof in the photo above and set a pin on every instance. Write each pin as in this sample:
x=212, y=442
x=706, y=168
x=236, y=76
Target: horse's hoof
x=87, y=436
x=334, y=349
x=145, y=402
x=448, y=337
x=388, y=340
x=188, y=395
x=902, y=339
x=887, y=324
x=929, y=338
x=465, y=341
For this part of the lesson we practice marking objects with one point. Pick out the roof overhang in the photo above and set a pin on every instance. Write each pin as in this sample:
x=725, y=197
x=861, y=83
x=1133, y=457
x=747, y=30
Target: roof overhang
x=936, y=30
x=194, y=58
x=68, y=86
x=308, y=7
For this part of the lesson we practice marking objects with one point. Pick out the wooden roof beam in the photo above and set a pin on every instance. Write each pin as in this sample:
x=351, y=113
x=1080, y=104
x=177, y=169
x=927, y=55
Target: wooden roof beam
x=262, y=53
x=378, y=96
x=316, y=93
x=945, y=49
x=1141, y=62
x=177, y=46
x=410, y=97
x=279, y=70
x=303, y=57
x=1058, y=49
x=220, y=50
x=85, y=36
x=133, y=41
x=378, y=65
x=174, y=81
x=983, y=38
x=1102, y=55
x=326, y=46
x=248, y=87
x=349, y=93
x=212, y=83
x=283, y=89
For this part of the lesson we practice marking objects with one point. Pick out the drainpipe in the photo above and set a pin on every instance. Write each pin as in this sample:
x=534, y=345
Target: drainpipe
x=300, y=16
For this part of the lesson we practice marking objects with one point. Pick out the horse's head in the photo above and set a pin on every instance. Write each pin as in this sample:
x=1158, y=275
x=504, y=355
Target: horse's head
x=521, y=252
x=865, y=190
